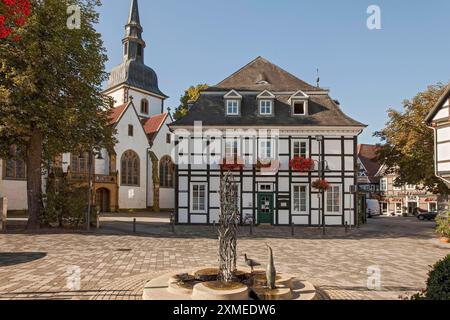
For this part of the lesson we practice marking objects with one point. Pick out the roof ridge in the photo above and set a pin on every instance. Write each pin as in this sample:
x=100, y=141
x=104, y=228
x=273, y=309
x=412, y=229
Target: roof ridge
x=242, y=68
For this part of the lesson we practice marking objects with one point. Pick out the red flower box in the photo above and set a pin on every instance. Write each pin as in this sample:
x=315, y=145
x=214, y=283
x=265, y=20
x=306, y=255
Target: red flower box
x=301, y=164
x=321, y=184
x=230, y=164
x=13, y=14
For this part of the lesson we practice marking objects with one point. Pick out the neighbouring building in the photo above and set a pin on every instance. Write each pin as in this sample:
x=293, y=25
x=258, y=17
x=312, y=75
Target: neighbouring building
x=126, y=178
x=368, y=181
x=439, y=120
x=278, y=135
x=403, y=200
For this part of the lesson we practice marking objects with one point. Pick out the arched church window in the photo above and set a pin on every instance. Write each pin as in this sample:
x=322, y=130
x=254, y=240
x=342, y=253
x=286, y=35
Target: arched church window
x=144, y=106
x=130, y=169
x=166, y=169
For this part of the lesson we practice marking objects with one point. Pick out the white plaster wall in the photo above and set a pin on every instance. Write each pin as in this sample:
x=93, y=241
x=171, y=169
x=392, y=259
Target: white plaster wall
x=118, y=97
x=15, y=191
x=132, y=197
x=154, y=103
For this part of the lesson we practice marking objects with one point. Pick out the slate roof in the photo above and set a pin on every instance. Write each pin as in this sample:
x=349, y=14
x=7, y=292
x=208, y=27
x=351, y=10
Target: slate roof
x=260, y=75
x=367, y=154
x=210, y=107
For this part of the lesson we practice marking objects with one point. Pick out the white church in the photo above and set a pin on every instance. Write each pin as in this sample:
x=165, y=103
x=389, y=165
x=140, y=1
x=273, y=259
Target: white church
x=141, y=163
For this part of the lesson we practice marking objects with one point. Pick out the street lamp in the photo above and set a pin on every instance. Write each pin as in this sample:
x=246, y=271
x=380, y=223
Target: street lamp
x=323, y=167
x=99, y=156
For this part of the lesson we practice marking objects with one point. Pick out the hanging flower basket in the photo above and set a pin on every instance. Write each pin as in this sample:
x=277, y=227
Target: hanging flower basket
x=229, y=164
x=13, y=15
x=263, y=164
x=301, y=164
x=321, y=184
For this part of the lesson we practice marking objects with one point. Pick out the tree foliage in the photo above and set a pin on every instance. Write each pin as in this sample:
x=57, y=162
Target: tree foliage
x=408, y=149
x=50, y=90
x=190, y=94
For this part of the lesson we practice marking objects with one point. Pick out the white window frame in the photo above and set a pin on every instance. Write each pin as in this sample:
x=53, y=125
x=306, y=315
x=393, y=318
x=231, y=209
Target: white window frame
x=263, y=105
x=234, y=147
x=383, y=184
x=410, y=187
x=306, y=199
x=300, y=141
x=395, y=208
x=339, y=197
x=387, y=207
x=235, y=103
x=264, y=156
x=204, y=184
x=305, y=106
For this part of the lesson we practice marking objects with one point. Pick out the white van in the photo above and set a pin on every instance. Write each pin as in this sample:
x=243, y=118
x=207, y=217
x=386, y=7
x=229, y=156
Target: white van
x=373, y=208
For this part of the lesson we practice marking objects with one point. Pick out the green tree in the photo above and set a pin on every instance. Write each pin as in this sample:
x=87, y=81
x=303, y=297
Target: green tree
x=408, y=148
x=50, y=91
x=190, y=94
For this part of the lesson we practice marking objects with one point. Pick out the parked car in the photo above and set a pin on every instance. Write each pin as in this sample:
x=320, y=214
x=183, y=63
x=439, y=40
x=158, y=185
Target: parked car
x=427, y=216
x=372, y=208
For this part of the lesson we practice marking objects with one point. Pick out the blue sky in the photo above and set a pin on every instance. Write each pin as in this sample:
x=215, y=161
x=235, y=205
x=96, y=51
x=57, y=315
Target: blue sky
x=204, y=41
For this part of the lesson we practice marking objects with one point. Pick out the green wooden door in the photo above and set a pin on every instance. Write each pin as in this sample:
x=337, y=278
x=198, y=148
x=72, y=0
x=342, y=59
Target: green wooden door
x=265, y=207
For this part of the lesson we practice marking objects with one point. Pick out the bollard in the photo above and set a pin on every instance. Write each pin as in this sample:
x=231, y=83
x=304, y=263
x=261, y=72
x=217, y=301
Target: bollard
x=3, y=213
x=98, y=221
x=134, y=225
x=292, y=229
x=214, y=225
x=251, y=227
x=172, y=222
x=346, y=227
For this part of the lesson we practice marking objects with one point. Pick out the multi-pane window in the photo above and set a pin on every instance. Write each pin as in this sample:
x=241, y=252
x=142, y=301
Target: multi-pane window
x=79, y=163
x=232, y=107
x=198, y=197
x=411, y=187
x=265, y=149
x=130, y=169
x=15, y=167
x=265, y=107
x=300, y=204
x=166, y=172
x=334, y=199
x=383, y=184
x=300, y=149
x=231, y=149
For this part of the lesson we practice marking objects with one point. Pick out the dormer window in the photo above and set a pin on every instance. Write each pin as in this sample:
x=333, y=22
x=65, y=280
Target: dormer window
x=232, y=107
x=265, y=107
x=299, y=108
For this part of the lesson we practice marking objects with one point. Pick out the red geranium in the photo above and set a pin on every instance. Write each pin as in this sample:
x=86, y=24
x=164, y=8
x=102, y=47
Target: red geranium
x=13, y=14
x=301, y=164
x=321, y=184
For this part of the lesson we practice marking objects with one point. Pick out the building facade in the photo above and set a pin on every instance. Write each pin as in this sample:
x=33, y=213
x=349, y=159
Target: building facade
x=404, y=200
x=368, y=181
x=139, y=174
x=277, y=135
x=439, y=120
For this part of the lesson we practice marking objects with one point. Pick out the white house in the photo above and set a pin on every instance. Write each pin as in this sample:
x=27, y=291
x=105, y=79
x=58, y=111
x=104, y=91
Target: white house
x=254, y=123
x=439, y=120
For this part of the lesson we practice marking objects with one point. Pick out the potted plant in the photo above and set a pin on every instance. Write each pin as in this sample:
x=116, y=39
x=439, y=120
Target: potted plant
x=301, y=164
x=443, y=228
x=232, y=164
x=321, y=184
x=261, y=164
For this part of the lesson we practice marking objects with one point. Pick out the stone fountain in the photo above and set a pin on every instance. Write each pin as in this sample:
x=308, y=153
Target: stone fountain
x=227, y=282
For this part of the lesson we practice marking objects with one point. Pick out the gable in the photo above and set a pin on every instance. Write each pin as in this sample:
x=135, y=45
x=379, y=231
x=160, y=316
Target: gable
x=266, y=95
x=232, y=95
x=130, y=117
x=440, y=111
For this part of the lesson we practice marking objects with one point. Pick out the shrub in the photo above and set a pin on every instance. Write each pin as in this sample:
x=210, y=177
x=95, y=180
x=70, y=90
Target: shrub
x=443, y=226
x=438, y=285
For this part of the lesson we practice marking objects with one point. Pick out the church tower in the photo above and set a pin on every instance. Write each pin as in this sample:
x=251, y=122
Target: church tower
x=132, y=79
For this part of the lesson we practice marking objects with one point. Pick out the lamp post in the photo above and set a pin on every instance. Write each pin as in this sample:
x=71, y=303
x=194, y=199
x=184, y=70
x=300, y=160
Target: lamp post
x=322, y=167
x=99, y=156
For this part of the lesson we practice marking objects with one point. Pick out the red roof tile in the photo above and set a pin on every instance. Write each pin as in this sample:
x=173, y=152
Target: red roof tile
x=116, y=113
x=368, y=156
x=154, y=124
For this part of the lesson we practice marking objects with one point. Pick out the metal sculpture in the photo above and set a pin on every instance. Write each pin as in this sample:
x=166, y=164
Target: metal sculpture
x=271, y=273
x=228, y=224
x=251, y=263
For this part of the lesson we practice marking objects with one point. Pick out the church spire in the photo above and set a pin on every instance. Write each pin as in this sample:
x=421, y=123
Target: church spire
x=133, y=43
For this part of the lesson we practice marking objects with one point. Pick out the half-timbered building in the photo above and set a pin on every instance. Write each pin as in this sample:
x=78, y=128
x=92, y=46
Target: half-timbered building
x=281, y=138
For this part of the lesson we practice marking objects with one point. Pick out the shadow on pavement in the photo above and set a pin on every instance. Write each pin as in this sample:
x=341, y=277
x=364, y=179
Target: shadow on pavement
x=15, y=258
